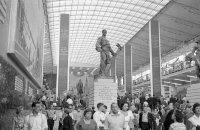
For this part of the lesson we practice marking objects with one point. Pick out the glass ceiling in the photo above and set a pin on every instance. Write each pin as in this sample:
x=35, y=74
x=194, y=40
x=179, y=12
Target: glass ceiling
x=121, y=18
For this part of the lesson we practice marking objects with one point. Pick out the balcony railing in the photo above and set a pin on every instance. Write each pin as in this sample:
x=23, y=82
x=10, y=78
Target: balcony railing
x=173, y=68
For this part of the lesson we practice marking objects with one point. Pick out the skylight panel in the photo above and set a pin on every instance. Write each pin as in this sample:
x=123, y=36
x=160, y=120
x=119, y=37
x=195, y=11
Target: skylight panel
x=122, y=19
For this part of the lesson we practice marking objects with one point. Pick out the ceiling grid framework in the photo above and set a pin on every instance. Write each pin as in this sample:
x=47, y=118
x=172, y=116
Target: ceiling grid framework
x=122, y=19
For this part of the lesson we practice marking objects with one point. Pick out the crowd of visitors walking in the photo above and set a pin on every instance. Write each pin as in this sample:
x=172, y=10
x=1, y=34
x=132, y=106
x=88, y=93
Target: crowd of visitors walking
x=140, y=113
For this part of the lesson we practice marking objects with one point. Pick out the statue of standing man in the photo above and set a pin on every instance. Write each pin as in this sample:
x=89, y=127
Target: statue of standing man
x=79, y=87
x=103, y=46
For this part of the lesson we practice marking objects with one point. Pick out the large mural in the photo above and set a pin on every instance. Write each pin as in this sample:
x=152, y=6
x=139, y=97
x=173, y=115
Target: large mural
x=26, y=34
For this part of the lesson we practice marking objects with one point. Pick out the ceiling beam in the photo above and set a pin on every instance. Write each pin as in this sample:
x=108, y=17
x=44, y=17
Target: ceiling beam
x=140, y=47
x=182, y=21
x=139, y=44
x=163, y=37
x=174, y=81
x=146, y=52
x=186, y=6
x=173, y=30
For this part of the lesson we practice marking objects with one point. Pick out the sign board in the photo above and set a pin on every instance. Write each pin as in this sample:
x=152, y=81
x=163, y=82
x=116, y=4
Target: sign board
x=128, y=68
x=105, y=91
x=26, y=37
x=63, y=69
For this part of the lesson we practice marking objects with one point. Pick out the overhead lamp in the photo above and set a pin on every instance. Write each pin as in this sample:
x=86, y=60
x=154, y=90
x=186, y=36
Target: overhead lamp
x=166, y=86
x=191, y=76
x=176, y=83
x=182, y=80
x=167, y=82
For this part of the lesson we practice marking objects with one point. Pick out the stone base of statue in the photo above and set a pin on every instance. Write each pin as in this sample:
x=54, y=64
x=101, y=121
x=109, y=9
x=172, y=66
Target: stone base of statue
x=104, y=91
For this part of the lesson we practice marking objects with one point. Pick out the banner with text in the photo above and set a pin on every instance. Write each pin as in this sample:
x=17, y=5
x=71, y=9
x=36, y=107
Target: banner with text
x=155, y=57
x=26, y=31
x=63, y=54
x=128, y=68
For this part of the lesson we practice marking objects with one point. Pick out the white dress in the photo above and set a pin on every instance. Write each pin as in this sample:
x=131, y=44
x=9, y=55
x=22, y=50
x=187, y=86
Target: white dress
x=128, y=118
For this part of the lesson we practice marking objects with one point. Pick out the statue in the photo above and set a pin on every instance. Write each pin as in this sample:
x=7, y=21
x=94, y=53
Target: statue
x=195, y=56
x=103, y=46
x=79, y=88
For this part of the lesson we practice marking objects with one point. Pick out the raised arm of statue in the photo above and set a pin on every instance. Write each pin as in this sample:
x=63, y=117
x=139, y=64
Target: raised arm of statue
x=112, y=52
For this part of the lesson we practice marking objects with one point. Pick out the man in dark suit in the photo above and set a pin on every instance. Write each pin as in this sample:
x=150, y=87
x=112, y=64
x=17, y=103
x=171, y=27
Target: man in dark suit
x=147, y=120
x=172, y=99
x=150, y=101
x=68, y=121
x=142, y=100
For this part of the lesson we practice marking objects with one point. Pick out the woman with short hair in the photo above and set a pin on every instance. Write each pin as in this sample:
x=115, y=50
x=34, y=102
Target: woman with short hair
x=86, y=123
x=135, y=112
x=128, y=116
x=195, y=119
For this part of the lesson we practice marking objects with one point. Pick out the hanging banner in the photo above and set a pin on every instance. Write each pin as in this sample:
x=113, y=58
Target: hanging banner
x=26, y=29
x=155, y=57
x=63, y=70
x=128, y=68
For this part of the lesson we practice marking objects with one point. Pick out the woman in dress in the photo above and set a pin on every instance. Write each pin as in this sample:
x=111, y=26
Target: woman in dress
x=195, y=119
x=18, y=121
x=135, y=112
x=86, y=123
x=128, y=116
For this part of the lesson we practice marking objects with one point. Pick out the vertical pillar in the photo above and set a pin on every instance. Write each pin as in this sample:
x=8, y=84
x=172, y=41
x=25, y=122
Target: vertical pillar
x=128, y=68
x=155, y=57
x=63, y=69
x=119, y=80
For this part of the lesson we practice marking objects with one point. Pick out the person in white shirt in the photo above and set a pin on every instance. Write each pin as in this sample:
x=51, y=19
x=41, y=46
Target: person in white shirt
x=178, y=124
x=147, y=97
x=195, y=119
x=105, y=110
x=36, y=120
x=44, y=98
x=137, y=103
x=99, y=116
x=69, y=101
x=115, y=120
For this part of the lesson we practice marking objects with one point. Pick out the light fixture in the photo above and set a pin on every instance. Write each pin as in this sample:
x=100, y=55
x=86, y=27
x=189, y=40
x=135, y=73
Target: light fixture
x=167, y=82
x=191, y=76
x=166, y=86
x=182, y=80
x=176, y=83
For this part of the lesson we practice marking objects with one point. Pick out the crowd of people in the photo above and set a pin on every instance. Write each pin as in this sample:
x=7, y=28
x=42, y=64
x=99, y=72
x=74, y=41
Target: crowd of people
x=140, y=113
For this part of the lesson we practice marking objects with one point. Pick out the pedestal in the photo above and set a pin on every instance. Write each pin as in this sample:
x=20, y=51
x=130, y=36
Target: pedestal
x=104, y=91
